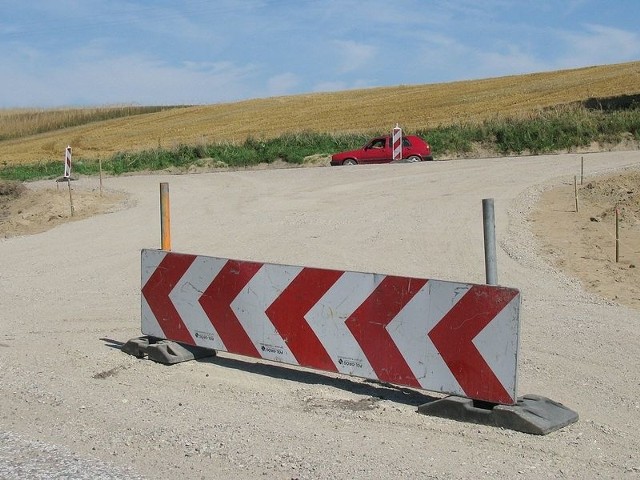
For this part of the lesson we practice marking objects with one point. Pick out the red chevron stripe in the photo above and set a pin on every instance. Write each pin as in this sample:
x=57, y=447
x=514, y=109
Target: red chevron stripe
x=216, y=303
x=368, y=324
x=287, y=315
x=453, y=337
x=157, y=289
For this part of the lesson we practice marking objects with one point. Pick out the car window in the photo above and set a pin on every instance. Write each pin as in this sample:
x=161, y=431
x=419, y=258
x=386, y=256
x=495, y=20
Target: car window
x=406, y=142
x=379, y=143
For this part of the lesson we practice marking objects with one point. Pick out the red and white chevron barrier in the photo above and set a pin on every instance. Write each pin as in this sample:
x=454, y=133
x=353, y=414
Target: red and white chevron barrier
x=439, y=336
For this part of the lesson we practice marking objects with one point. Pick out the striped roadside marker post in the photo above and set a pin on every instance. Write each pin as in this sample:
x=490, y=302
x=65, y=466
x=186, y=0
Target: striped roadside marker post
x=67, y=175
x=67, y=162
x=397, y=143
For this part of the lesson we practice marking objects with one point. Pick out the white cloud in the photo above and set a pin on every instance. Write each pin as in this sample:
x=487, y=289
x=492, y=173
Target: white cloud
x=598, y=44
x=282, y=84
x=197, y=51
x=329, y=86
x=512, y=61
x=128, y=79
x=353, y=55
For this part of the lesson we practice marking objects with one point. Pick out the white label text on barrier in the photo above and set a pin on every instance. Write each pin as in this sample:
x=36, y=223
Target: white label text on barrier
x=435, y=335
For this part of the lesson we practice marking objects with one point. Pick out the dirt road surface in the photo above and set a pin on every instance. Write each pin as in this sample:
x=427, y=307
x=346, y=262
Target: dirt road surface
x=73, y=403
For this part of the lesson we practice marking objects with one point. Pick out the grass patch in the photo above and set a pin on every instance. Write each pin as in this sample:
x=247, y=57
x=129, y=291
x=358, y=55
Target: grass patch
x=551, y=130
x=557, y=129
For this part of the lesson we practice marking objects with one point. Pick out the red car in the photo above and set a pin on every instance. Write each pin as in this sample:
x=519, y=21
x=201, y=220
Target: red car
x=378, y=150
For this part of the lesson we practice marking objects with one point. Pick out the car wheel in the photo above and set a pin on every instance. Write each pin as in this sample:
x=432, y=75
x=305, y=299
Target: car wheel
x=349, y=161
x=413, y=159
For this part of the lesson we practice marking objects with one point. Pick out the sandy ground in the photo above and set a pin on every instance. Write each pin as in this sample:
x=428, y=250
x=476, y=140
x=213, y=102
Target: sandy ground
x=581, y=240
x=75, y=406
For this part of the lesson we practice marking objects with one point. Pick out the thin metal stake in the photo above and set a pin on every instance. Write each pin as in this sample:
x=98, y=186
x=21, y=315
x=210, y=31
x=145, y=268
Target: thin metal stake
x=490, y=258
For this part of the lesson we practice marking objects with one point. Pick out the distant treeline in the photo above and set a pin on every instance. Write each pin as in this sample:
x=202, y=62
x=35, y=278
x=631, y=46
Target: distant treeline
x=551, y=130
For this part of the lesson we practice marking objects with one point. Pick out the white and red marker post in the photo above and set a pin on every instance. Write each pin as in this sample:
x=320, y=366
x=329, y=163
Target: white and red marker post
x=67, y=162
x=396, y=142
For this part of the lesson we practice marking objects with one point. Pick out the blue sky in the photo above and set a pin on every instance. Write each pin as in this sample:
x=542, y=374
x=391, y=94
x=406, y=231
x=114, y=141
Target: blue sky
x=106, y=52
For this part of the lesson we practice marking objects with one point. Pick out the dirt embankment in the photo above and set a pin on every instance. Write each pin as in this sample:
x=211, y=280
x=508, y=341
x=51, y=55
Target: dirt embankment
x=27, y=211
x=584, y=242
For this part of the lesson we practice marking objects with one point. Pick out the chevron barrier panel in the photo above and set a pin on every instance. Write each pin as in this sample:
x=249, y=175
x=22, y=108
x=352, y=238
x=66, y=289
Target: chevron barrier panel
x=441, y=336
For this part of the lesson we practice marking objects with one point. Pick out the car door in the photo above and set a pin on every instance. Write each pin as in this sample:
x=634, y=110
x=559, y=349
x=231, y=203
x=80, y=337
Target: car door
x=407, y=148
x=376, y=151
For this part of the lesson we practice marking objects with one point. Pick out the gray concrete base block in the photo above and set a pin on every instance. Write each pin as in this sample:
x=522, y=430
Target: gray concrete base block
x=169, y=352
x=165, y=351
x=531, y=414
x=137, y=346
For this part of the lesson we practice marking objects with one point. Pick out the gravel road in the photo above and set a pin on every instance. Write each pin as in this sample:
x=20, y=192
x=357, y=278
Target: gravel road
x=74, y=406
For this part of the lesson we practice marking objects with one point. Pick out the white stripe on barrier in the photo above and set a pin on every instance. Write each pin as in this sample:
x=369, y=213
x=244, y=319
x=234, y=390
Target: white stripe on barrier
x=499, y=340
x=444, y=296
x=410, y=329
x=250, y=307
x=327, y=319
x=185, y=296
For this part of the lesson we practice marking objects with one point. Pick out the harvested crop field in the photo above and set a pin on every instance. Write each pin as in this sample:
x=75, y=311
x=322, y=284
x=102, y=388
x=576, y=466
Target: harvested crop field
x=376, y=109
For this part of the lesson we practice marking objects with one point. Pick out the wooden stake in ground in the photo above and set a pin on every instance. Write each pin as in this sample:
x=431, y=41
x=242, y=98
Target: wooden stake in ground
x=100, y=167
x=617, y=234
x=165, y=217
x=70, y=196
x=575, y=191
